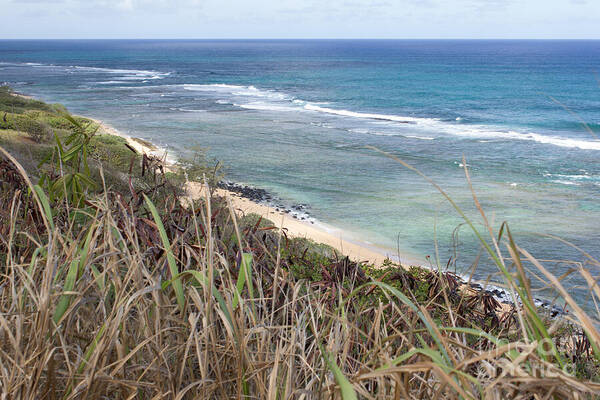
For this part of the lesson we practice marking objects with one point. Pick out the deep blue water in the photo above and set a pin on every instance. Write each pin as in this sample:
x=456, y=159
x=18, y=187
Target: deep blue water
x=294, y=117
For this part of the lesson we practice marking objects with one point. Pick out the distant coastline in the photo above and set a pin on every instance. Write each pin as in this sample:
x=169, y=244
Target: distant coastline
x=283, y=218
x=245, y=201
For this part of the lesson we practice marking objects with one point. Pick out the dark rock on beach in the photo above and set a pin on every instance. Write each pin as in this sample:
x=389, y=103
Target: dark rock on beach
x=298, y=211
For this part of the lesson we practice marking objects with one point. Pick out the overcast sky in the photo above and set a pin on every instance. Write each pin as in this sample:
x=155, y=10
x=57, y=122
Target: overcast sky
x=300, y=19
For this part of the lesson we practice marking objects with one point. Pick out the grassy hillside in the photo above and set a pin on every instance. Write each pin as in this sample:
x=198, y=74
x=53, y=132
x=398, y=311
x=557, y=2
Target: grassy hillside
x=113, y=286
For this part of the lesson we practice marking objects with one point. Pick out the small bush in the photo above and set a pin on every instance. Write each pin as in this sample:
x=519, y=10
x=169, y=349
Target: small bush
x=56, y=118
x=11, y=103
x=38, y=131
x=197, y=167
x=112, y=150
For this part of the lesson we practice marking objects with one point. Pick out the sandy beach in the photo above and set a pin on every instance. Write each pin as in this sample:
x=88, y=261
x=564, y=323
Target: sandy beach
x=316, y=231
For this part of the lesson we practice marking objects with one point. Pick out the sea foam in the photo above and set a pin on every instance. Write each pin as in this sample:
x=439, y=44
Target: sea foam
x=237, y=90
x=272, y=100
x=128, y=74
x=354, y=114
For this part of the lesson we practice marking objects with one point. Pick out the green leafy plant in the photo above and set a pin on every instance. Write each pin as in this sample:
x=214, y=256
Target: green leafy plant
x=70, y=179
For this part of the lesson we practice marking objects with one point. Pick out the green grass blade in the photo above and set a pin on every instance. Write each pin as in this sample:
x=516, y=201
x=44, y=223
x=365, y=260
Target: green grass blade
x=413, y=307
x=90, y=349
x=204, y=281
x=45, y=204
x=177, y=285
x=239, y=286
x=98, y=277
x=348, y=392
x=86, y=357
x=65, y=299
x=244, y=276
x=75, y=269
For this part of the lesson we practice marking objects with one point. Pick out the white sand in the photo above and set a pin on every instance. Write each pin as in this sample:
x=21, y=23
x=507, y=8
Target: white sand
x=139, y=147
x=318, y=232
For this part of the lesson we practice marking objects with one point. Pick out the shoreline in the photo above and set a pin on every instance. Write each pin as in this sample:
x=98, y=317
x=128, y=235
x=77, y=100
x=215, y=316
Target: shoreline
x=317, y=231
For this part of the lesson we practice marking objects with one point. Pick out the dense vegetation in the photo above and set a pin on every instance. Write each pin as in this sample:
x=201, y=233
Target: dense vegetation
x=115, y=285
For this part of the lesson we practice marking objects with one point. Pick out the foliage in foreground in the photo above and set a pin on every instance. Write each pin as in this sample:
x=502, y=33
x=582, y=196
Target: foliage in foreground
x=128, y=300
x=135, y=293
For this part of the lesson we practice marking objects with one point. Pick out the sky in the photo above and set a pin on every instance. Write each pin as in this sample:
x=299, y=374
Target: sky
x=539, y=19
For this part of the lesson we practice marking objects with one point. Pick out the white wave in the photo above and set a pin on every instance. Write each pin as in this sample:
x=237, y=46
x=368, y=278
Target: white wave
x=346, y=113
x=140, y=87
x=384, y=134
x=577, y=177
x=253, y=92
x=565, y=142
x=419, y=137
x=461, y=165
x=374, y=133
x=109, y=82
x=186, y=109
x=377, y=133
x=237, y=90
x=265, y=107
x=212, y=86
x=16, y=64
x=277, y=101
x=139, y=77
x=478, y=131
x=475, y=131
x=574, y=179
x=562, y=182
x=129, y=73
x=431, y=125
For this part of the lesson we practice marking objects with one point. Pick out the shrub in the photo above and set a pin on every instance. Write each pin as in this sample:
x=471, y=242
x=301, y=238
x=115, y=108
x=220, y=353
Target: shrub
x=112, y=150
x=38, y=131
x=11, y=103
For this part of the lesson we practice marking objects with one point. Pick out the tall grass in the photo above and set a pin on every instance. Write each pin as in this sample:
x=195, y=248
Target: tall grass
x=145, y=300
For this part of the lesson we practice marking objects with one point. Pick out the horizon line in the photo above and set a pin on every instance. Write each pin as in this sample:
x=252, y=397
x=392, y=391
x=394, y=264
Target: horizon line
x=295, y=38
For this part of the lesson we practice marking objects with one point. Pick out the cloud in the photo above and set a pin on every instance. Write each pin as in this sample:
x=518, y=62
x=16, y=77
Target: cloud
x=20, y=2
x=141, y=5
x=300, y=18
x=126, y=5
x=129, y=5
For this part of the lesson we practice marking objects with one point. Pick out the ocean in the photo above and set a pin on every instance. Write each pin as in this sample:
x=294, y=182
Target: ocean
x=295, y=117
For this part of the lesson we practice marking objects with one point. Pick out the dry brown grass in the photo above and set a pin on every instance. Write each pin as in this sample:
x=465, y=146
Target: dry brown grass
x=89, y=309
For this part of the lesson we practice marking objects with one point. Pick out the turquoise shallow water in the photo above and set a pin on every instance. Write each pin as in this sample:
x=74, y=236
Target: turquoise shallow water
x=295, y=117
